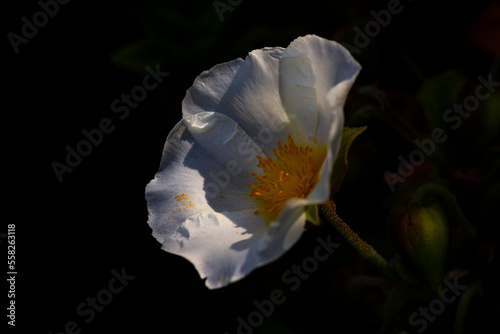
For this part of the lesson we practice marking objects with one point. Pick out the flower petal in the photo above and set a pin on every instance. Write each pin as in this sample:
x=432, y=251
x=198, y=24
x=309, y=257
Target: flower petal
x=224, y=139
x=298, y=94
x=225, y=247
x=248, y=92
x=220, y=250
x=285, y=231
x=176, y=192
x=334, y=70
x=208, y=160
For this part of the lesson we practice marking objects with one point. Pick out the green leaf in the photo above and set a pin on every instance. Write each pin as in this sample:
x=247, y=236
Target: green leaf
x=440, y=93
x=157, y=44
x=312, y=214
x=136, y=56
x=464, y=305
x=489, y=117
x=340, y=164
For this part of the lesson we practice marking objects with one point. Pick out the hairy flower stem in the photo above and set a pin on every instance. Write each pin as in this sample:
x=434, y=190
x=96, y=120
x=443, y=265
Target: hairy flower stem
x=328, y=211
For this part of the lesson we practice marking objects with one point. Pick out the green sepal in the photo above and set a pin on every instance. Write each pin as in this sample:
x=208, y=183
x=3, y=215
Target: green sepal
x=340, y=164
x=312, y=214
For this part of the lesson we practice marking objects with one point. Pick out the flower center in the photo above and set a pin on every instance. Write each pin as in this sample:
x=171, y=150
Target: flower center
x=292, y=174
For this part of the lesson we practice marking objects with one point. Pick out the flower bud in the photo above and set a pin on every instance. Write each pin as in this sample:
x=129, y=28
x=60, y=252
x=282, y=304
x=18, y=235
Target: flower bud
x=421, y=235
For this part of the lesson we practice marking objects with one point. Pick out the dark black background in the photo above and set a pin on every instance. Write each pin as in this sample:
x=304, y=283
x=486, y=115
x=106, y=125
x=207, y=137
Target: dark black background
x=72, y=234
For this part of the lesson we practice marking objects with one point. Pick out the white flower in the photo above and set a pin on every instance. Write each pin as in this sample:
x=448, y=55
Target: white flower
x=255, y=146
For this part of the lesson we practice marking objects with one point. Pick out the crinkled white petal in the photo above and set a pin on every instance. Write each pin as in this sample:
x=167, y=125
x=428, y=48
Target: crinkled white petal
x=223, y=247
x=174, y=178
x=225, y=139
x=286, y=230
x=298, y=94
x=335, y=71
x=248, y=91
x=200, y=172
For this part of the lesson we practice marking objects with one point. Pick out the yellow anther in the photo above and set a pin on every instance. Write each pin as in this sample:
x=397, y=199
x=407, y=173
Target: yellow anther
x=293, y=173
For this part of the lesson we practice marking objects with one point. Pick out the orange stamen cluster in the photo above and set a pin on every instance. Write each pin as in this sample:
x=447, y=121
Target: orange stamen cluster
x=293, y=174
